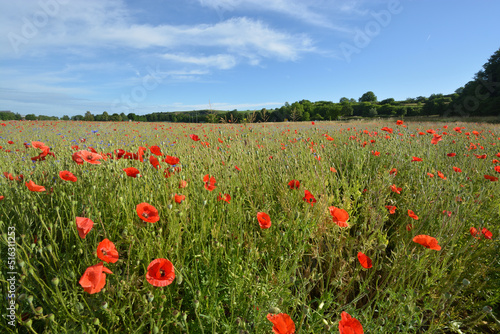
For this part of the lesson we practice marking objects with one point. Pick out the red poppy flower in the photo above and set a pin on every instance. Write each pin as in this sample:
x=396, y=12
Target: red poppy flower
x=487, y=234
x=147, y=212
x=131, y=171
x=436, y=138
x=339, y=216
x=294, y=184
x=480, y=156
x=409, y=227
x=497, y=169
x=376, y=153
x=77, y=158
x=427, y=241
x=416, y=159
x=264, y=220
x=183, y=184
x=391, y=208
x=473, y=231
x=209, y=182
x=154, y=161
x=333, y=170
x=456, y=169
x=171, y=160
x=179, y=198
x=34, y=187
x=10, y=142
x=75, y=147
x=94, y=278
x=194, y=137
x=365, y=261
x=160, y=272
x=491, y=178
x=90, y=157
x=308, y=197
x=282, y=323
x=451, y=154
x=441, y=175
x=385, y=128
x=155, y=150
x=8, y=176
x=349, y=325
x=67, y=176
x=399, y=122
x=396, y=189
x=430, y=174
x=412, y=214
x=225, y=197
x=393, y=171
x=83, y=225
x=107, y=252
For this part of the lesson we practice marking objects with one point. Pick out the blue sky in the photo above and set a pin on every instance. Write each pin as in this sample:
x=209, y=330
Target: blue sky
x=64, y=57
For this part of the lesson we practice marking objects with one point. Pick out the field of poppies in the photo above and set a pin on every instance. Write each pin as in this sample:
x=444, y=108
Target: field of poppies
x=326, y=227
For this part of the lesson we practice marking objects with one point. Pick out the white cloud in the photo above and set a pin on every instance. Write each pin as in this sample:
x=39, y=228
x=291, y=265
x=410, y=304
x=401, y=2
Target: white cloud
x=220, y=61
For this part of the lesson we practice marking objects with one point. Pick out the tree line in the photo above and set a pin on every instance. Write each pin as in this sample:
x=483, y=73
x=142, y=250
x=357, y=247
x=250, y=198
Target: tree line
x=479, y=97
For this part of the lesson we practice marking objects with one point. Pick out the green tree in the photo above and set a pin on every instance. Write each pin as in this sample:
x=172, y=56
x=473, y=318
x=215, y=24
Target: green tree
x=65, y=118
x=30, y=117
x=88, y=116
x=347, y=109
x=368, y=97
x=105, y=116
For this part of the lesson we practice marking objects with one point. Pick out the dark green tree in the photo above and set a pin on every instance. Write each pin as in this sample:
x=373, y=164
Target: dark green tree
x=368, y=97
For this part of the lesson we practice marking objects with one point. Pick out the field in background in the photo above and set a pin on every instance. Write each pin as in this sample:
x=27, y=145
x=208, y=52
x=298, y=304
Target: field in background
x=229, y=272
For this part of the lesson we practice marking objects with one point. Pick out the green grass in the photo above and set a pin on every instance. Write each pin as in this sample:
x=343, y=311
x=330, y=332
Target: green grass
x=230, y=273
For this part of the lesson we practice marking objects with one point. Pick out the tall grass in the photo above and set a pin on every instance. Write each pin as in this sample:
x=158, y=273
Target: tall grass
x=230, y=273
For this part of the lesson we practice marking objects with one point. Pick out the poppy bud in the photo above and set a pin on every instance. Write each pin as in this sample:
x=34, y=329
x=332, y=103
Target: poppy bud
x=30, y=299
x=169, y=206
x=28, y=323
x=104, y=305
x=487, y=309
x=151, y=297
x=79, y=306
x=51, y=317
x=96, y=321
x=196, y=303
x=21, y=264
x=465, y=282
x=274, y=310
x=49, y=248
x=39, y=310
x=205, y=202
x=55, y=281
x=156, y=330
x=184, y=316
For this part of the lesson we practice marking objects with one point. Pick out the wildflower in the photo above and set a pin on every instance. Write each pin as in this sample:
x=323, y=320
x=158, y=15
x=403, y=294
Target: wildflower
x=209, y=182
x=160, y=272
x=155, y=150
x=171, y=160
x=391, y=208
x=264, y=220
x=491, y=178
x=154, y=161
x=393, y=171
x=34, y=187
x=349, y=325
x=194, y=137
x=106, y=251
x=131, y=171
x=412, y=214
x=441, y=175
x=456, y=169
x=182, y=184
x=339, y=216
x=308, y=197
x=396, y=189
x=147, y=212
x=282, y=323
x=225, y=197
x=416, y=159
x=90, y=157
x=427, y=241
x=365, y=261
x=294, y=184
x=451, y=154
x=83, y=225
x=179, y=198
x=375, y=153
x=67, y=176
x=94, y=278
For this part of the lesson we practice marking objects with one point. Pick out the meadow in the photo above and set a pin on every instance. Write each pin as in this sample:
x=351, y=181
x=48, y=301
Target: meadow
x=250, y=228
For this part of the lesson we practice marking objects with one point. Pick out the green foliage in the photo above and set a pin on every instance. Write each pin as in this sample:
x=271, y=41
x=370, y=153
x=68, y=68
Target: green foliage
x=229, y=272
